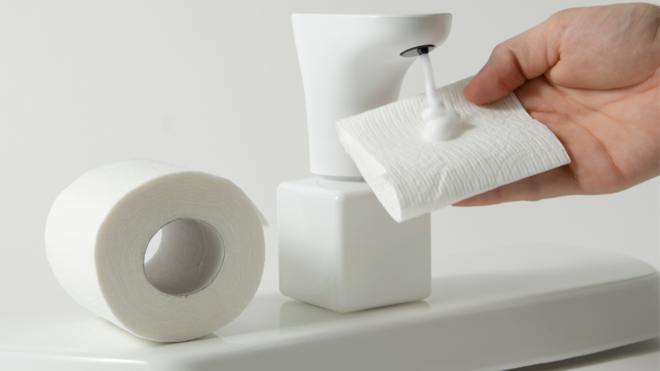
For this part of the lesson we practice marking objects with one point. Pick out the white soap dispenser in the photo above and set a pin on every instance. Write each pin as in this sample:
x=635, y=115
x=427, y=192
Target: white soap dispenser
x=338, y=247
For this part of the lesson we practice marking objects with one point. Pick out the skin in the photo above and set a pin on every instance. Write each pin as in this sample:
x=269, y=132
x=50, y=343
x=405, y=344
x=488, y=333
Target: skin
x=592, y=76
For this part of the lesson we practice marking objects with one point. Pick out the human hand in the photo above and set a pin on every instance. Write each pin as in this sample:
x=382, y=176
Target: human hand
x=592, y=76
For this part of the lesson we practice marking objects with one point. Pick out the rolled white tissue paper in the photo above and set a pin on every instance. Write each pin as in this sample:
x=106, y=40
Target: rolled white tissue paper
x=205, y=272
x=410, y=175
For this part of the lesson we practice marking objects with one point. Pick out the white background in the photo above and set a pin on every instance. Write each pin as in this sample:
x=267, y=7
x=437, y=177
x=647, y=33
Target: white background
x=215, y=86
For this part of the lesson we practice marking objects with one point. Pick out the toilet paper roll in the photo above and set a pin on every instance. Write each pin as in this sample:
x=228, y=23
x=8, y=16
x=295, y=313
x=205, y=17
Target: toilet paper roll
x=205, y=272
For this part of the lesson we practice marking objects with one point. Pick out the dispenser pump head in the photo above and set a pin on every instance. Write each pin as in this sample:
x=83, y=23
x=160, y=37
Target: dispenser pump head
x=351, y=63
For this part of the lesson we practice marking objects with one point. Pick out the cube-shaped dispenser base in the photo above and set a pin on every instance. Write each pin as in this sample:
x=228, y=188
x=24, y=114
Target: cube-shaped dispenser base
x=339, y=249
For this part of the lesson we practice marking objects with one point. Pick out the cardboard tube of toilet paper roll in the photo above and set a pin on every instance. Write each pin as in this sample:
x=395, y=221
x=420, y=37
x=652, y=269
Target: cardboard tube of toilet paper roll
x=205, y=272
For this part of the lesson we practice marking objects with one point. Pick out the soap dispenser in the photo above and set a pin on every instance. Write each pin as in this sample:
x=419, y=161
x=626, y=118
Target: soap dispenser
x=338, y=247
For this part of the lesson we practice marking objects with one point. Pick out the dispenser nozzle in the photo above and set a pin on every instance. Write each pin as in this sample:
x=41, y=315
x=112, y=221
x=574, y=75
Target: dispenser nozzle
x=417, y=51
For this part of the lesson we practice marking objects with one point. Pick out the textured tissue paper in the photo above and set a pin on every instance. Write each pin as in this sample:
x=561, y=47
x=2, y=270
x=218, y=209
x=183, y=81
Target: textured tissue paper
x=411, y=176
x=205, y=272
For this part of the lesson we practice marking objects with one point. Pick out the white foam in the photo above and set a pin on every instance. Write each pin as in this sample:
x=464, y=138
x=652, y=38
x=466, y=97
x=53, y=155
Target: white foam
x=441, y=123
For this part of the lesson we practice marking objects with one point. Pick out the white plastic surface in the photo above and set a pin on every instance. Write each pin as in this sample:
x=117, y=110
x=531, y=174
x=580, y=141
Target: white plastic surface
x=339, y=249
x=490, y=310
x=350, y=63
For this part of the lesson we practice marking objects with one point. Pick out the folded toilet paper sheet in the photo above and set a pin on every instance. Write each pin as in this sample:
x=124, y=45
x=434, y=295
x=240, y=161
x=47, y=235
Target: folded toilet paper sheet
x=411, y=176
x=205, y=272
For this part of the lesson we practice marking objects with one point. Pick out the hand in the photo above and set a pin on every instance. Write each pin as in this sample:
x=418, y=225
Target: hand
x=592, y=76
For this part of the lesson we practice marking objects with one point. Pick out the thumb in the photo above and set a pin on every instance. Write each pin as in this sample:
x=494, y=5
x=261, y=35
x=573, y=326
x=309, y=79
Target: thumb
x=513, y=62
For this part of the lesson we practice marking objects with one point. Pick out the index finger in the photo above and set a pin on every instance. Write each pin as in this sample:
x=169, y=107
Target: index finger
x=513, y=62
